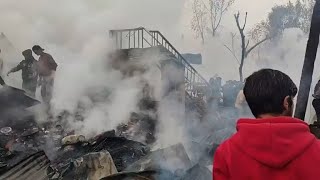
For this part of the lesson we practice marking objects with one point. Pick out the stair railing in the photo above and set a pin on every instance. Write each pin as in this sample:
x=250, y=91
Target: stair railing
x=142, y=38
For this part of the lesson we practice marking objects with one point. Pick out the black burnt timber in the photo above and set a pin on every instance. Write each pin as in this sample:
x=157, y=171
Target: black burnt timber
x=308, y=66
x=123, y=151
x=173, y=158
x=2, y=83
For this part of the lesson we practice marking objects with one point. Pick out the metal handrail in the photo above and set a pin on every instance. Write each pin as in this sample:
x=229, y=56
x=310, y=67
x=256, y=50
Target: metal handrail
x=179, y=55
x=136, y=38
x=139, y=38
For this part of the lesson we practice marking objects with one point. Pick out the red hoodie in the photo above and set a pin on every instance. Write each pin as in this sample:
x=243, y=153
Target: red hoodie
x=279, y=148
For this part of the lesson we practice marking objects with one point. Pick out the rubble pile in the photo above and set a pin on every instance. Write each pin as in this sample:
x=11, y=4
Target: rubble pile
x=96, y=158
x=51, y=151
x=142, y=124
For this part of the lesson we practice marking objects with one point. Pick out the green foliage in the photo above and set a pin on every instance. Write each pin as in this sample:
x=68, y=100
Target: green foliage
x=285, y=16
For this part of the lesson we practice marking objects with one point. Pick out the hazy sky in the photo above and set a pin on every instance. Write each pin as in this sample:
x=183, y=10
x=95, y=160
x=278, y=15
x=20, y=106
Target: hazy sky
x=75, y=31
x=257, y=9
x=50, y=21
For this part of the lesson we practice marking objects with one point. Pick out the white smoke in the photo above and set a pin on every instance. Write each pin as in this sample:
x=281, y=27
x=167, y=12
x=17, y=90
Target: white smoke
x=75, y=32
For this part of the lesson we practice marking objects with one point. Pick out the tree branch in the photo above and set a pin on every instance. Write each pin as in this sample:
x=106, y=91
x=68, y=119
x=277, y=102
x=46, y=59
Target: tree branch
x=245, y=21
x=256, y=45
x=205, y=6
x=198, y=14
x=233, y=54
x=247, y=44
x=220, y=18
x=236, y=16
x=213, y=15
x=232, y=40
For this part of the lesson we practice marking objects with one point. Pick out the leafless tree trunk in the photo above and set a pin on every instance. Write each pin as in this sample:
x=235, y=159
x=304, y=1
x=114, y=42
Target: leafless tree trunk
x=245, y=50
x=199, y=20
x=217, y=9
x=207, y=16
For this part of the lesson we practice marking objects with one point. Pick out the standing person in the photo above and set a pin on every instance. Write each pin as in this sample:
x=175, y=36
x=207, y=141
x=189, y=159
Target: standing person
x=316, y=101
x=47, y=68
x=216, y=91
x=274, y=145
x=29, y=72
x=240, y=102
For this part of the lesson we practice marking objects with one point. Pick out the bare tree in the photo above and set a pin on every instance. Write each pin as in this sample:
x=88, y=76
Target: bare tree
x=245, y=49
x=216, y=10
x=199, y=19
x=232, y=50
x=207, y=16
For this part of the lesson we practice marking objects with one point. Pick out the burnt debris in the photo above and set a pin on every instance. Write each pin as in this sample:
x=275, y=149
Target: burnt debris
x=52, y=150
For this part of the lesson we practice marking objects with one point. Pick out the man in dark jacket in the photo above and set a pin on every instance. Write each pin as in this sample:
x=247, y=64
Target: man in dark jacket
x=316, y=101
x=29, y=72
x=274, y=145
x=47, y=68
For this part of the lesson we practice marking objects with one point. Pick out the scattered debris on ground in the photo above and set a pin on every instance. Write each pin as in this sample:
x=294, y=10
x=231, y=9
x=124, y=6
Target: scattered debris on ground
x=32, y=151
x=76, y=157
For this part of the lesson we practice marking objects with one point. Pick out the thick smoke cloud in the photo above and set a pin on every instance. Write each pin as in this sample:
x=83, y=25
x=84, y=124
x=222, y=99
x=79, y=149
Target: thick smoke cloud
x=285, y=54
x=75, y=32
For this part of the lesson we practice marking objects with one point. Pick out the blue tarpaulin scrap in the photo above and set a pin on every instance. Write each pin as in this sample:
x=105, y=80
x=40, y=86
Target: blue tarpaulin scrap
x=193, y=58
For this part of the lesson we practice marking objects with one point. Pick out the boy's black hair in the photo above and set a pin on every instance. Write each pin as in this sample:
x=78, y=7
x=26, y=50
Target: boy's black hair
x=266, y=89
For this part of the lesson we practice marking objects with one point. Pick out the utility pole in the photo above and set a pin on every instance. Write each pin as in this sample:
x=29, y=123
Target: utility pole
x=308, y=66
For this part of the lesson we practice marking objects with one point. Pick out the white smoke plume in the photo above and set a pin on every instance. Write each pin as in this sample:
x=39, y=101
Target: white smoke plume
x=75, y=32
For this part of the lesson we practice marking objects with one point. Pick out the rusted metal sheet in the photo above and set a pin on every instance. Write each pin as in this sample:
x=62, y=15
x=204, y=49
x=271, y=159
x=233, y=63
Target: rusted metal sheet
x=32, y=168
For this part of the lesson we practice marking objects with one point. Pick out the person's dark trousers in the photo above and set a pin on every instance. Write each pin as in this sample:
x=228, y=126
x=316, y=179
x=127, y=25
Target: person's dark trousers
x=316, y=106
x=30, y=86
x=46, y=93
x=46, y=89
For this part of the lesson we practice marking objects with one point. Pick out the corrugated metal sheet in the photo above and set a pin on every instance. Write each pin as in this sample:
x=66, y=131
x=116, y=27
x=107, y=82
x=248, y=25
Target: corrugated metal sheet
x=11, y=97
x=94, y=166
x=32, y=168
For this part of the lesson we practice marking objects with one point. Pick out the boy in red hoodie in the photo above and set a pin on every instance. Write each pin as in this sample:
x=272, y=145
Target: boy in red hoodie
x=274, y=146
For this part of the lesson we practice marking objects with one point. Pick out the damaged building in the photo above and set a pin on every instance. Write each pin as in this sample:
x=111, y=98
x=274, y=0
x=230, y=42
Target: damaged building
x=54, y=151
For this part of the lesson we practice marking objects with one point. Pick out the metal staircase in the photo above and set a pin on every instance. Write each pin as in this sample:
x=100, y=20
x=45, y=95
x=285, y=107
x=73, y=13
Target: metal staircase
x=195, y=84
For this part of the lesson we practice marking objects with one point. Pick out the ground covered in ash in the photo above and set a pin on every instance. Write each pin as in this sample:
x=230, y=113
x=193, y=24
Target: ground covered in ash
x=57, y=154
x=52, y=150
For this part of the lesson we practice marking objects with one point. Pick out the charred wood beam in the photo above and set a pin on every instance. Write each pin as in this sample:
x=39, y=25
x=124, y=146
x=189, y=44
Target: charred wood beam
x=2, y=81
x=308, y=66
